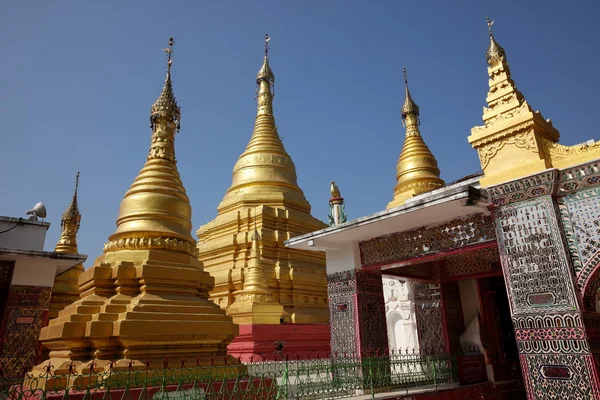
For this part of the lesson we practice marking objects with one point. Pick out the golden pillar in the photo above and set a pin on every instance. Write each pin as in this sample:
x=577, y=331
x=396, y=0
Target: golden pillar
x=146, y=297
x=264, y=179
x=417, y=170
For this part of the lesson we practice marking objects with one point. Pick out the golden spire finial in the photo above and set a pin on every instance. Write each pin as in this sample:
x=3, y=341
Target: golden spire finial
x=409, y=106
x=495, y=53
x=69, y=224
x=267, y=39
x=155, y=212
x=265, y=73
x=166, y=105
x=417, y=169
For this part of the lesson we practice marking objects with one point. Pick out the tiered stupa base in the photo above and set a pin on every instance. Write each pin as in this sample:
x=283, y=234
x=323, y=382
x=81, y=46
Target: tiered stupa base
x=139, y=308
x=302, y=341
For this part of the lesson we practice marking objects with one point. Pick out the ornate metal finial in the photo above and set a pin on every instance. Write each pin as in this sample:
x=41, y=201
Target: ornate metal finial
x=169, y=51
x=409, y=106
x=72, y=213
x=76, y=184
x=166, y=105
x=69, y=223
x=489, y=24
x=265, y=73
x=267, y=39
x=495, y=53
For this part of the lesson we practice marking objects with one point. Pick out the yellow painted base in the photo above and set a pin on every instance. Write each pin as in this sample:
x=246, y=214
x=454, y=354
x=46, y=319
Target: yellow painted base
x=505, y=175
x=401, y=198
x=256, y=312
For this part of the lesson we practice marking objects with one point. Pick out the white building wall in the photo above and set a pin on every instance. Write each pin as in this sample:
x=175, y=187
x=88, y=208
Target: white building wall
x=22, y=234
x=33, y=271
x=347, y=257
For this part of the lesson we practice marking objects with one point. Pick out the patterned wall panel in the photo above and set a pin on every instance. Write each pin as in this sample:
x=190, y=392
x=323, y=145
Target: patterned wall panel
x=357, y=308
x=550, y=333
x=401, y=246
x=342, y=308
x=535, y=265
x=429, y=317
x=580, y=213
x=560, y=376
x=473, y=263
x=26, y=313
x=530, y=187
x=371, y=312
x=579, y=177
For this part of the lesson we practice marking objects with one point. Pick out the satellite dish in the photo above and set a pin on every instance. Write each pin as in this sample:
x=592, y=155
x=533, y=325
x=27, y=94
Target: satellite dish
x=39, y=210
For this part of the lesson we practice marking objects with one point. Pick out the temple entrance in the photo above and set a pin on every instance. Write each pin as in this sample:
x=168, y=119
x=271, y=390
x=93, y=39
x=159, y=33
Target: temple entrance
x=496, y=329
x=455, y=305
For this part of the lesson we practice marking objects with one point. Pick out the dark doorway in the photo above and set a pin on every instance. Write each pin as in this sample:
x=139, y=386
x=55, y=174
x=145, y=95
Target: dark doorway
x=497, y=333
x=6, y=273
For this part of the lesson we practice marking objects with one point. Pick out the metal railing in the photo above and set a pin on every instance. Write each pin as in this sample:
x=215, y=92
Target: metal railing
x=278, y=376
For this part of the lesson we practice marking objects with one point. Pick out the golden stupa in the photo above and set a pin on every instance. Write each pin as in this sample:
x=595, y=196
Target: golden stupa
x=66, y=289
x=264, y=182
x=417, y=170
x=146, y=297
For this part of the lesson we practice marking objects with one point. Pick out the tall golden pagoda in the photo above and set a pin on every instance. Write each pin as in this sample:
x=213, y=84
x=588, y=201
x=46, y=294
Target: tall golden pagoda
x=66, y=289
x=515, y=140
x=417, y=169
x=264, y=179
x=146, y=297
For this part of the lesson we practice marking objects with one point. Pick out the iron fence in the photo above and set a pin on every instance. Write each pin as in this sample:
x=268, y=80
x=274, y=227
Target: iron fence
x=278, y=376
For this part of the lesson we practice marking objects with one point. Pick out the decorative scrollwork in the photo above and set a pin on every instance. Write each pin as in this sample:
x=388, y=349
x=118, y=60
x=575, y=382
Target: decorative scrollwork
x=151, y=243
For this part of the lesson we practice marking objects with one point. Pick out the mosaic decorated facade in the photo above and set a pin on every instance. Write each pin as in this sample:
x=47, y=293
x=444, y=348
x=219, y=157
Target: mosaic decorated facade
x=26, y=313
x=411, y=245
x=547, y=229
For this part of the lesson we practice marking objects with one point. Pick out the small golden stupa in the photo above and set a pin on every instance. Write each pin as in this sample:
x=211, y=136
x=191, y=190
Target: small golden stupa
x=417, y=170
x=255, y=304
x=146, y=297
x=66, y=289
x=264, y=179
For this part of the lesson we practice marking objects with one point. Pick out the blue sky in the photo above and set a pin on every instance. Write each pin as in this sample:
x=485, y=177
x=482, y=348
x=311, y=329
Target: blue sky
x=78, y=80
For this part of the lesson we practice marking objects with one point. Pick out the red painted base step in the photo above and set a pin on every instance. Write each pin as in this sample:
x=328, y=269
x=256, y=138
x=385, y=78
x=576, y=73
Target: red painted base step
x=301, y=340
